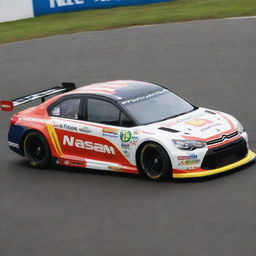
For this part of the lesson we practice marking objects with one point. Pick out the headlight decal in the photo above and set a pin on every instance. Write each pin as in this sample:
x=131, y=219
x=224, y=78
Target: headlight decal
x=189, y=145
x=239, y=127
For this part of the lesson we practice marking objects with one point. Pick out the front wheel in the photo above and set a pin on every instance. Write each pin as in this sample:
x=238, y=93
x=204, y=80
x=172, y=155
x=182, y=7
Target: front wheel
x=36, y=149
x=155, y=162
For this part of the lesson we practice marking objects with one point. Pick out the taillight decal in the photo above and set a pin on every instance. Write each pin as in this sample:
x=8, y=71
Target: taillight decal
x=14, y=119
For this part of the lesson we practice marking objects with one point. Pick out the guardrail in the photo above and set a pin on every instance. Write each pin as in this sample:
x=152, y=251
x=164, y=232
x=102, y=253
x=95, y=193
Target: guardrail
x=20, y=9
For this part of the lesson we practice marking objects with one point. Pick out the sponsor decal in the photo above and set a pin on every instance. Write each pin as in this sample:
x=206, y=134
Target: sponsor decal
x=6, y=105
x=145, y=97
x=198, y=122
x=211, y=126
x=72, y=128
x=110, y=132
x=125, y=145
x=135, y=138
x=76, y=164
x=12, y=144
x=88, y=145
x=189, y=162
x=136, y=132
x=191, y=156
x=126, y=153
x=84, y=129
x=115, y=168
x=68, y=127
x=61, y=3
x=32, y=119
x=195, y=116
x=133, y=143
x=71, y=163
x=56, y=125
x=125, y=136
x=182, y=120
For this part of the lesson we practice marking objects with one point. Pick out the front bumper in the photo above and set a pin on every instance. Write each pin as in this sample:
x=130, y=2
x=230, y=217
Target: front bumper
x=199, y=172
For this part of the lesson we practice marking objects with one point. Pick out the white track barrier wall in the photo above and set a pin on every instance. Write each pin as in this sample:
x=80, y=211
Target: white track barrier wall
x=15, y=10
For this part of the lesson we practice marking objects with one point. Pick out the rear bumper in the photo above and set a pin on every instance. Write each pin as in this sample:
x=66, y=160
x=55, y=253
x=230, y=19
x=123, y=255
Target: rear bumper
x=199, y=172
x=15, y=136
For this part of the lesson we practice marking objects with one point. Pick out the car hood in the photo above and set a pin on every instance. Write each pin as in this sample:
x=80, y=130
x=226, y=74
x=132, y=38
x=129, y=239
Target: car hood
x=199, y=124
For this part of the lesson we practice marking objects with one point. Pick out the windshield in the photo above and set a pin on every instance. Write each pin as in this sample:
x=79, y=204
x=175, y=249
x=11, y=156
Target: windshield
x=156, y=106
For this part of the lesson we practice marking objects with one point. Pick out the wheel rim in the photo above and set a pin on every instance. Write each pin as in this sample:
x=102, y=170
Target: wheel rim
x=153, y=162
x=35, y=148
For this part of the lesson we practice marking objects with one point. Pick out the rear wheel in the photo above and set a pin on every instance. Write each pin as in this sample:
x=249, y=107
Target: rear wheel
x=155, y=162
x=36, y=149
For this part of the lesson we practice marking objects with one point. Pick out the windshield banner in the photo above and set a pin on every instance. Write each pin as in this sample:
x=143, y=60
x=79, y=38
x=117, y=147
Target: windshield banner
x=144, y=97
x=55, y=6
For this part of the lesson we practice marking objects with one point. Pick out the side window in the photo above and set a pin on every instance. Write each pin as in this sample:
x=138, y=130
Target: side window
x=101, y=111
x=125, y=121
x=68, y=108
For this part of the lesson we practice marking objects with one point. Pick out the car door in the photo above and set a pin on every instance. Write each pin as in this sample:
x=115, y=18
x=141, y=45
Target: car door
x=88, y=130
x=69, y=127
x=105, y=120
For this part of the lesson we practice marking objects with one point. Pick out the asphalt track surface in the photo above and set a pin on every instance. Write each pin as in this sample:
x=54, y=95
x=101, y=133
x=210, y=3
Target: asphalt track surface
x=67, y=212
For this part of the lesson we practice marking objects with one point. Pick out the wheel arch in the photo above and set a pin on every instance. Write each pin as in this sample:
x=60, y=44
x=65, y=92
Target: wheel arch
x=140, y=147
x=24, y=137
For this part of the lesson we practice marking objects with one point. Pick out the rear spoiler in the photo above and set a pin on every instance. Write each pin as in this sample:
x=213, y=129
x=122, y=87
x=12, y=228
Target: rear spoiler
x=9, y=105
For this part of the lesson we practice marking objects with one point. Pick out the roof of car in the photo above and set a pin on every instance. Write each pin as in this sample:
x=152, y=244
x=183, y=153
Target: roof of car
x=118, y=89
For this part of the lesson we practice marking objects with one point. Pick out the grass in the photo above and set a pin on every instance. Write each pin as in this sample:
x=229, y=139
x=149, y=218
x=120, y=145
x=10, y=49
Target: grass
x=91, y=20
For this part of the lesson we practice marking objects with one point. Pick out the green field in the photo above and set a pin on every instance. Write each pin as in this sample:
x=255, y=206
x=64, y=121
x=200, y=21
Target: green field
x=180, y=10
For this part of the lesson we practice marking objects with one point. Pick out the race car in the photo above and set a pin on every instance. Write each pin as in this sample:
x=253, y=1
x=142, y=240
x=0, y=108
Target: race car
x=126, y=126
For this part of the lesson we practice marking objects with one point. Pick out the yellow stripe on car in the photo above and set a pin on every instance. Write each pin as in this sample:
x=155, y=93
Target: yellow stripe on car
x=54, y=139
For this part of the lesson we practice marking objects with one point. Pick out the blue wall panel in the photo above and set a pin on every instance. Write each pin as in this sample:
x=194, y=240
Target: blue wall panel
x=54, y=6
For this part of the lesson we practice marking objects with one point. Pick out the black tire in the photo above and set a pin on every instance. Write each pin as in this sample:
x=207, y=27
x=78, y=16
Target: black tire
x=36, y=149
x=155, y=162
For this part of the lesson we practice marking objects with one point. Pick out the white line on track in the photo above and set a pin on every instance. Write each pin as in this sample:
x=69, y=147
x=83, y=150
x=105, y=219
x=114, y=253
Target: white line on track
x=143, y=26
x=230, y=18
x=240, y=18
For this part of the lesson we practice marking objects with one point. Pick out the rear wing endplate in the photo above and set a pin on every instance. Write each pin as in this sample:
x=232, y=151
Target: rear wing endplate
x=9, y=105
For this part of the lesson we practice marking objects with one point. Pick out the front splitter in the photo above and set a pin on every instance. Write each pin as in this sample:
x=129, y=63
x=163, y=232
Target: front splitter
x=196, y=173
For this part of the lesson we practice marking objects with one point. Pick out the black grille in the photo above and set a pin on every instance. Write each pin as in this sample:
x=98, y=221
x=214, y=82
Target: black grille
x=222, y=138
x=226, y=154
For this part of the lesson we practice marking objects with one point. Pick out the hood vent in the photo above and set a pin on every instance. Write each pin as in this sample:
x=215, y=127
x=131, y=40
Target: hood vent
x=168, y=129
x=210, y=112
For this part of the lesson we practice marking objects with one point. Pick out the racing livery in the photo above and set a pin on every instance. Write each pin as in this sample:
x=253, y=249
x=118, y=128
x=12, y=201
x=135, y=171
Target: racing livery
x=127, y=126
